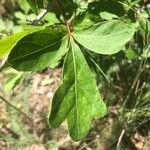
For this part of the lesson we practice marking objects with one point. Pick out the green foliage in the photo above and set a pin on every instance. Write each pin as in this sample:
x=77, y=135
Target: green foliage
x=31, y=54
x=8, y=43
x=97, y=37
x=14, y=78
x=34, y=4
x=24, y=5
x=38, y=50
x=99, y=27
x=76, y=99
x=109, y=6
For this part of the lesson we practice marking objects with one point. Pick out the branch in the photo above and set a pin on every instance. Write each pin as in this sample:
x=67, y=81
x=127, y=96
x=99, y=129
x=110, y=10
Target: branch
x=65, y=20
x=17, y=109
x=3, y=99
x=38, y=18
x=120, y=139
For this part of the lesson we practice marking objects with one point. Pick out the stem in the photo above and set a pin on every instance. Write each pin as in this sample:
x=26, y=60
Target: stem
x=68, y=28
x=66, y=21
x=96, y=65
x=73, y=21
x=120, y=139
x=17, y=109
x=42, y=14
x=139, y=72
x=38, y=18
x=29, y=119
x=101, y=70
x=134, y=10
x=3, y=99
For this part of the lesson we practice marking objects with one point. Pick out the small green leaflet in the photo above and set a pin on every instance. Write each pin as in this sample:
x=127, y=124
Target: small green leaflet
x=39, y=50
x=77, y=98
x=105, y=38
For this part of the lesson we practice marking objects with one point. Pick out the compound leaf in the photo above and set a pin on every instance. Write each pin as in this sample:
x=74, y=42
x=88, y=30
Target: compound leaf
x=77, y=98
x=105, y=38
x=38, y=50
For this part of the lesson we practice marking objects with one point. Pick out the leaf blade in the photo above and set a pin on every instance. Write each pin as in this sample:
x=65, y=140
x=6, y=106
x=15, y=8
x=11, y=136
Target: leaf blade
x=105, y=38
x=71, y=100
x=87, y=105
x=33, y=5
x=38, y=50
x=9, y=42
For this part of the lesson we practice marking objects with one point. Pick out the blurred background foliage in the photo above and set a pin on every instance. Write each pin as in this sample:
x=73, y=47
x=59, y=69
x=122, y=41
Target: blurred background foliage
x=126, y=90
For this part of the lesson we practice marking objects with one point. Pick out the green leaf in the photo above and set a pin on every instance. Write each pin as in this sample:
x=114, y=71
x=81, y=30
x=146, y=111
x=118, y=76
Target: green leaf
x=105, y=38
x=77, y=98
x=9, y=42
x=13, y=81
x=33, y=5
x=111, y=6
x=38, y=50
x=107, y=16
x=24, y=6
x=131, y=54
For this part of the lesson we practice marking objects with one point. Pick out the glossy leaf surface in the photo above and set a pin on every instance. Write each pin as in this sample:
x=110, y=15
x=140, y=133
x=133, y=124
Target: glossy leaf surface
x=105, y=38
x=38, y=50
x=77, y=98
